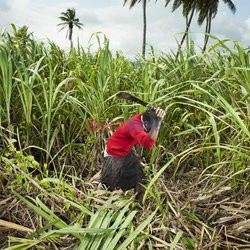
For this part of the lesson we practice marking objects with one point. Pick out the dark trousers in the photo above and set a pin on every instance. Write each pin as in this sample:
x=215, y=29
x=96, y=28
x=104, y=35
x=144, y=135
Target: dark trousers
x=124, y=173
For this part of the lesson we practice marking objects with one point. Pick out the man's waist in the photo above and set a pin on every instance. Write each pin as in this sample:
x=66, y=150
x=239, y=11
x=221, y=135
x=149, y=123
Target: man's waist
x=115, y=152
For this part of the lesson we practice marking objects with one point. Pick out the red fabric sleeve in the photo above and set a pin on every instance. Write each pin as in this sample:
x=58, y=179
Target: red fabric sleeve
x=142, y=138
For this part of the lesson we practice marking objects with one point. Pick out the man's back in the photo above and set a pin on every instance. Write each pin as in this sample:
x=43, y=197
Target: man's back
x=127, y=135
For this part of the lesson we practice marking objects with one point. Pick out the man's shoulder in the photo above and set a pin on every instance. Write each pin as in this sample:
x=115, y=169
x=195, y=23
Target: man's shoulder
x=136, y=117
x=134, y=120
x=134, y=123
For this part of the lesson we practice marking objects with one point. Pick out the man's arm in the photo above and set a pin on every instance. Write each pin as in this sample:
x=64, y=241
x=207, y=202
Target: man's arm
x=147, y=140
x=154, y=131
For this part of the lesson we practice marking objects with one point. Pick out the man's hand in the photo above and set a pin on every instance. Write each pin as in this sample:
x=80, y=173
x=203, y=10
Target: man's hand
x=160, y=113
x=153, y=133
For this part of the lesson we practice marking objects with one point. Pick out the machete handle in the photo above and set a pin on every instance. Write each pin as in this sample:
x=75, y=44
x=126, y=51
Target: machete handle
x=149, y=106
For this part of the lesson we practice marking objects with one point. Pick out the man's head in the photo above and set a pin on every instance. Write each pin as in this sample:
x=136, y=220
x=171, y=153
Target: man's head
x=149, y=118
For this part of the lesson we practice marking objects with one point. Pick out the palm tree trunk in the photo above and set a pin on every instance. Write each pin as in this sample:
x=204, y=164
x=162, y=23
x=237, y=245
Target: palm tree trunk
x=209, y=27
x=205, y=38
x=208, y=30
x=144, y=28
x=188, y=23
x=70, y=37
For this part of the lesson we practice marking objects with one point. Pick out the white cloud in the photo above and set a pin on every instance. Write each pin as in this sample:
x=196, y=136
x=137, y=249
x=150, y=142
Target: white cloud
x=123, y=26
x=245, y=31
x=3, y=6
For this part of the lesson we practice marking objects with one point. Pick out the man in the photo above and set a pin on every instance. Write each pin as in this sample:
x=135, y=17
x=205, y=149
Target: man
x=122, y=168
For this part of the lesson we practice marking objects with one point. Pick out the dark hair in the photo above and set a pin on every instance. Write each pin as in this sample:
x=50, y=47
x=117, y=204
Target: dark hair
x=149, y=118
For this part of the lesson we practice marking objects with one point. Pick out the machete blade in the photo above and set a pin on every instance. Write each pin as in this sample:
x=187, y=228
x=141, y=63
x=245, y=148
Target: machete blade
x=130, y=97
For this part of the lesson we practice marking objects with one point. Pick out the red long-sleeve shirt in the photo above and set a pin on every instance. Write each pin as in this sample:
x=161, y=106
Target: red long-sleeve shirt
x=127, y=135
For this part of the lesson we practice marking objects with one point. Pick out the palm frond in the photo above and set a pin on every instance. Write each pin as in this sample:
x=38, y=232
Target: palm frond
x=231, y=5
x=63, y=18
x=167, y=2
x=202, y=16
x=63, y=27
x=132, y=3
x=79, y=25
x=60, y=24
x=176, y=4
x=65, y=15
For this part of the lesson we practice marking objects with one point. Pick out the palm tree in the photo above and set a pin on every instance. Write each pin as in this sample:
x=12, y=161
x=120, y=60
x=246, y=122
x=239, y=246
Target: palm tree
x=144, y=5
x=207, y=11
x=188, y=9
x=69, y=20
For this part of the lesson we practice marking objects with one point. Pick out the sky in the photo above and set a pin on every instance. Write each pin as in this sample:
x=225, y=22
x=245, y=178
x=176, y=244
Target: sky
x=121, y=25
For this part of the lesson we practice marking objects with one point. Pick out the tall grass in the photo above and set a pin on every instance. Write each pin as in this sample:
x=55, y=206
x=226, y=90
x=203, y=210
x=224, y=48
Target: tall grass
x=47, y=95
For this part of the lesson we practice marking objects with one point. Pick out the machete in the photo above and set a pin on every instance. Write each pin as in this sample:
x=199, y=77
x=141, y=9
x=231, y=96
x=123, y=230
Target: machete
x=127, y=96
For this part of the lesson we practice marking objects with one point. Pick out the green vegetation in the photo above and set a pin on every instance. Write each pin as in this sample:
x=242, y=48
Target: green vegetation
x=198, y=191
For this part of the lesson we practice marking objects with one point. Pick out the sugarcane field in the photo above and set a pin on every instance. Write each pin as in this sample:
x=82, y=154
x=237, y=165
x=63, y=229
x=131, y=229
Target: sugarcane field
x=120, y=136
